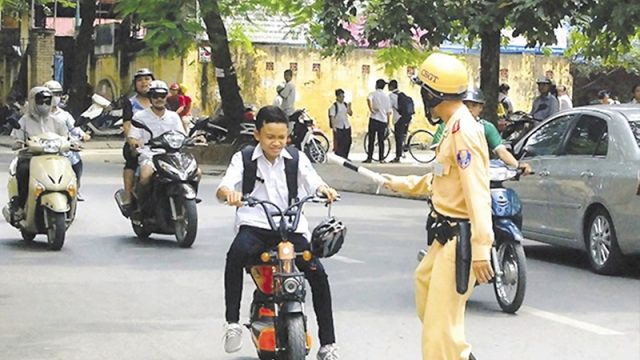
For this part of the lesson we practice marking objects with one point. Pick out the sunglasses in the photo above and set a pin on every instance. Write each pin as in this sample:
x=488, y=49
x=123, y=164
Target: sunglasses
x=43, y=101
x=158, y=95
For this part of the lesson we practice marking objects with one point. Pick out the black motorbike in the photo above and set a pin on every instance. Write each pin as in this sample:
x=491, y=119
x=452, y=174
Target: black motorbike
x=9, y=119
x=171, y=206
x=519, y=125
x=278, y=322
x=307, y=137
x=215, y=131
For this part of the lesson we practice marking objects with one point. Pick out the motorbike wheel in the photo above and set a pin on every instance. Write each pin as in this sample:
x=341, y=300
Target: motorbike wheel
x=323, y=139
x=511, y=286
x=140, y=231
x=186, y=227
x=315, y=152
x=296, y=338
x=27, y=236
x=56, y=231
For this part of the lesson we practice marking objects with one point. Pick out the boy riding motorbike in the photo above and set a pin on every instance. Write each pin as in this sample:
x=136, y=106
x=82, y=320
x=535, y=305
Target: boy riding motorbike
x=254, y=233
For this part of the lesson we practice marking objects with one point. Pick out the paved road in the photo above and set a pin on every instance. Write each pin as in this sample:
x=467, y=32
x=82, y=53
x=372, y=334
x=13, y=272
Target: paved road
x=107, y=295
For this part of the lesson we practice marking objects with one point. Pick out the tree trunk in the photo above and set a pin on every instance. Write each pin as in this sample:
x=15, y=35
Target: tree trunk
x=124, y=39
x=83, y=46
x=490, y=73
x=232, y=103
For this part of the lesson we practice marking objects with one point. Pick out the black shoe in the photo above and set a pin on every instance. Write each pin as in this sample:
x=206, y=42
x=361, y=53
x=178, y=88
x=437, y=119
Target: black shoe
x=383, y=162
x=127, y=209
x=396, y=160
x=368, y=161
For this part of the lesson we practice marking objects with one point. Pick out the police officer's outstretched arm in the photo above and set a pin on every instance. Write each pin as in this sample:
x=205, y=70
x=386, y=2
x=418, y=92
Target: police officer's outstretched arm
x=473, y=165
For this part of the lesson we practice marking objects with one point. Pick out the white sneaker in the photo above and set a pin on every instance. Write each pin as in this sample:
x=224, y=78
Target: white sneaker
x=328, y=352
x=233, y=338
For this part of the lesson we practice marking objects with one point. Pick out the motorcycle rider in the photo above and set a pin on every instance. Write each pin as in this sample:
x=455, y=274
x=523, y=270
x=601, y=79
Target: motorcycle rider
x=36, y=121
x=159, y=120
x=461, y=211
x=255, y=234
x=474, y=100
x=140, y=101
x=545, y=104
x=75, y=133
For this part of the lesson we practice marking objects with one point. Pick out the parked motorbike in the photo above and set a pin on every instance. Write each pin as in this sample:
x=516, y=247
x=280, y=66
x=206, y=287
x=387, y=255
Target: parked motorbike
x=101, y=118
x=278, y=323
x=306, y=137
x=216, y=132
x=507, y=255
x=519, y=125
x=171, y=207
x=9, y=118
x=50, y=207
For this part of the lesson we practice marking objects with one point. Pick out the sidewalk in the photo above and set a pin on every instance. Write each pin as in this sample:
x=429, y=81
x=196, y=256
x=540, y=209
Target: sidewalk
x=336, y=176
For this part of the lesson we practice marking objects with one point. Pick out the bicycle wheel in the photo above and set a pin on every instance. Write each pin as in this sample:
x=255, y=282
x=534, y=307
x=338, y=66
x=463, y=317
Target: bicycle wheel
x=387, y=145
x=420, y=146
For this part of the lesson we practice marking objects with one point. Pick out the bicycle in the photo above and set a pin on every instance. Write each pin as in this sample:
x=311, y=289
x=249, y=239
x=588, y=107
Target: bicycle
x=418, y=144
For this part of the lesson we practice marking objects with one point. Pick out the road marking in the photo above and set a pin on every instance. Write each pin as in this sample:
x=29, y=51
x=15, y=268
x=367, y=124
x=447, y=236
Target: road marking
x=347, y=260
x=570, y=322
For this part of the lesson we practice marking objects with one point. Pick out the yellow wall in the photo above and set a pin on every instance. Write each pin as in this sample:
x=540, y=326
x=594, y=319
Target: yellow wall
x=315, y=89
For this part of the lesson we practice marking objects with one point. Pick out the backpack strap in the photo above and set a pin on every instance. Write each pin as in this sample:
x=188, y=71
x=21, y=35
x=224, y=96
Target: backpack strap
x=250, y=172
x=291, y=172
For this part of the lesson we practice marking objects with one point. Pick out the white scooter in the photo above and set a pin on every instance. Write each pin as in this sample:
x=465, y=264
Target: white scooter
x=50, y=206
x=101, y=119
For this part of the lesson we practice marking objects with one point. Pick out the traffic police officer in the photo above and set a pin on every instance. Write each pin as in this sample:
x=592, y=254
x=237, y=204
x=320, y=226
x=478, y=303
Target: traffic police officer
x=460, y=219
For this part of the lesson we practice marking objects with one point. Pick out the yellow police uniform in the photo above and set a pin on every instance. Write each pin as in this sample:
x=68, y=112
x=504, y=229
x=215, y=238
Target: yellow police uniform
x=459, y=189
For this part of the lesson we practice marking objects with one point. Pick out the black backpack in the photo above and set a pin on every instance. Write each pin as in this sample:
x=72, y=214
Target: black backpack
x=250, y=173
x=405, y=105
x=335, y=106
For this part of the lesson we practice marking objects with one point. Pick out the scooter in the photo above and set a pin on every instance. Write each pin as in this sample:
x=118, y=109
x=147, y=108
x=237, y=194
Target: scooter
x=171, y=207
x=306, y=137
x=507, y=255
x=101, y=119
x=50, y=207
x=215, y=132
x=278, y=323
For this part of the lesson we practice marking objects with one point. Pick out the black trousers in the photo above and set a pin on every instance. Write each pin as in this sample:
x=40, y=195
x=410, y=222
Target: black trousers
x=252, y=241
x=22, y=174
x=77, y=169
x=400, y=130
x=376, y=128
x=343, y=142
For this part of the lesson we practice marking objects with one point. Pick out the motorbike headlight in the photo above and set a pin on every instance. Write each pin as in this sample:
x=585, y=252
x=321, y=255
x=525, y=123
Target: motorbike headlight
x=290, y=285
x=51, y=146
x=174, y=140
x=172, y=170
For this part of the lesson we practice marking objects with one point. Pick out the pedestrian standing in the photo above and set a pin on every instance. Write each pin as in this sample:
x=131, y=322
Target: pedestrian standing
x=504, y=99
x=564, y=100
x=545, y=104
x=379, y=114
x=339, y=113
x=460, y=221
x=288, y=94
x=403, y=109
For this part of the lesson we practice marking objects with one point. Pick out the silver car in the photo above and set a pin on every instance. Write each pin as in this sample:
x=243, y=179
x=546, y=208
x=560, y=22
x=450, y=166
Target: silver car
x=585, y=192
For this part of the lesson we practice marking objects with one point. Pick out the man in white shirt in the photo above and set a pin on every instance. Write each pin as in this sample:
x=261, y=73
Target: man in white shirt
x=254, y=233
x=563, y=98
x=379, y=115
x=288, y=94
x=36, y=121
x=159, y=120
x=339, y=113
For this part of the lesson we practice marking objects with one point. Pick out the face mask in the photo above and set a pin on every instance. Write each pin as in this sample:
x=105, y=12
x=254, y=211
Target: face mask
x=56, y=100
x=430, y=102
x=43, y=110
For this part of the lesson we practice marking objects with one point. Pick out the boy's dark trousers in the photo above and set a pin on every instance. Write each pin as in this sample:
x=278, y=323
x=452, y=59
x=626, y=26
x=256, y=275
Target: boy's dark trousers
x=343, y=142
x=249, y=243
x=376, y=128
x=400, y=130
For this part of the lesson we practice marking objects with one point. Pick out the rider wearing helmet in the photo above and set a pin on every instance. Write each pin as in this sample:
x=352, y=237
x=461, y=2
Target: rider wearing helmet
x=36, y=121
x=75, y=133
x=459, y=192
x=142, y=79
x=474, y=100
x=545, y=104
x=157, y=119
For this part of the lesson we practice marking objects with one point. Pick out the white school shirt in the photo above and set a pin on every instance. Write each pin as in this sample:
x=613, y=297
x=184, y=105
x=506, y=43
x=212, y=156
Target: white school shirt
x=380, y=104
x=274, y=188
x=340, y=115
x=158, y=125
x=288, y=94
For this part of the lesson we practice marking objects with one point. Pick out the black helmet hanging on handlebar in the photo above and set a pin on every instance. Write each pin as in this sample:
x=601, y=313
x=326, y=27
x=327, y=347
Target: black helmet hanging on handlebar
x=474, y=96
x=327, y=238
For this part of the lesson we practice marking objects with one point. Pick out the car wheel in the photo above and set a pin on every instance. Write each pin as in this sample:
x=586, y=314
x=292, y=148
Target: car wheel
x=604, y=254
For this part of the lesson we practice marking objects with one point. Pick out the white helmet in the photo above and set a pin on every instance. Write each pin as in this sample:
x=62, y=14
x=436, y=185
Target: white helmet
x=54, y=86
x=158, y=86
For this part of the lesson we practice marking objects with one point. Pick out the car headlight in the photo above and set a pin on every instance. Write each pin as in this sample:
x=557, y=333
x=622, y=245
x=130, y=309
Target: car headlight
x=290, y=285
x=174, y=140
x=51, y=146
